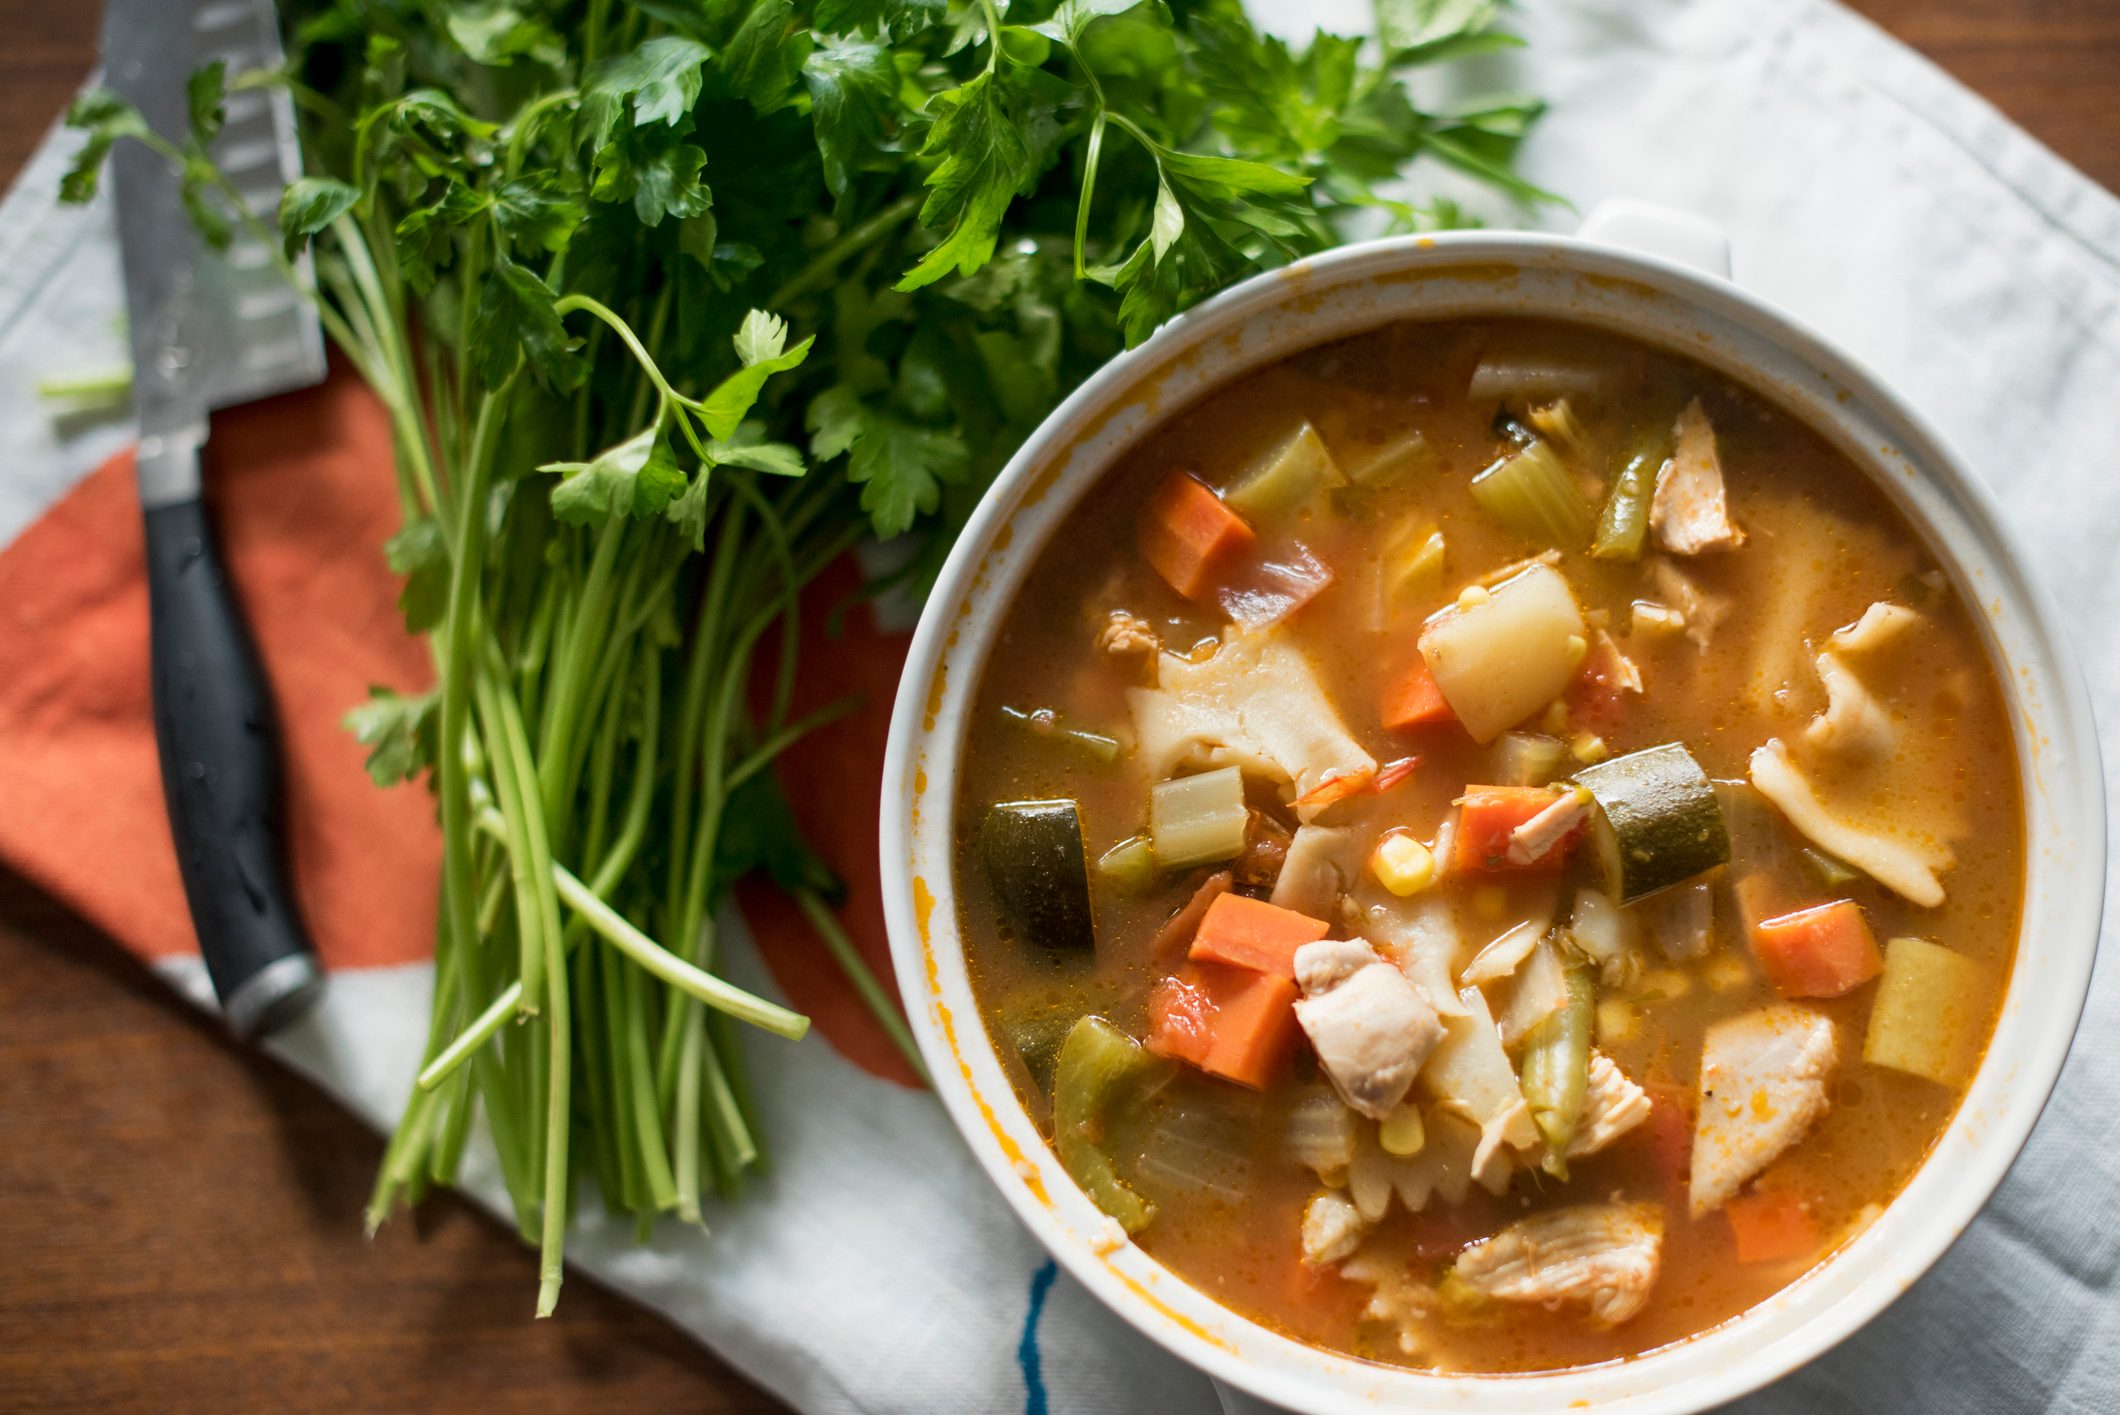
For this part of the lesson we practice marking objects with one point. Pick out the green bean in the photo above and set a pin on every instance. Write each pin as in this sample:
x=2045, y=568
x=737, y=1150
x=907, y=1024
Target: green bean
x=1556, y=1071
x=1623, y=526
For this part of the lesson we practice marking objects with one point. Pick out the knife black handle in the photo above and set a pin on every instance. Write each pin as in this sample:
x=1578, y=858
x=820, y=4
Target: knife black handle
x=221, y=777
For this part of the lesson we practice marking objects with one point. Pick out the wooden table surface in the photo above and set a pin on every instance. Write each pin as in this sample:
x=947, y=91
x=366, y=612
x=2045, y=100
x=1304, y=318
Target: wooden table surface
x=179, y=1218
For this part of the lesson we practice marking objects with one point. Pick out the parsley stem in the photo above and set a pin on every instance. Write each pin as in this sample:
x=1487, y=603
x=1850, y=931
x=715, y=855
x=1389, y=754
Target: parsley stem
x=851, y=963
x=524, y=125
x=457, y=655
x=625, y=333
x=459, y=1051
x=833, y=252
x=993, y=34
x=695, y=982
x=1089, y=191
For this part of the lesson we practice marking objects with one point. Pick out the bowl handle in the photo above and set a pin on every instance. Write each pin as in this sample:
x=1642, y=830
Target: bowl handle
x=1659, y=231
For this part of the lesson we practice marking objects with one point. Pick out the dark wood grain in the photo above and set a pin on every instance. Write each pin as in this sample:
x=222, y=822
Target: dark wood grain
x=179, y=1217
x=2052, y=65
x=180, y=1229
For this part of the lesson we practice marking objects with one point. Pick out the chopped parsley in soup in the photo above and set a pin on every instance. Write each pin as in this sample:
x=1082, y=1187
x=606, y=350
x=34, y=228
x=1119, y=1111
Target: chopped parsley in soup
x=1489, y=847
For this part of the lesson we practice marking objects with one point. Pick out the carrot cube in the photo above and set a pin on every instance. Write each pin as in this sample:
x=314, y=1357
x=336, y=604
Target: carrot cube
x=1486, y=816
x=1413, y=699
x=1235, y=1023
x=1771, y=1226
x=1250, y=933
x=1189, y=536
x=1818, y=952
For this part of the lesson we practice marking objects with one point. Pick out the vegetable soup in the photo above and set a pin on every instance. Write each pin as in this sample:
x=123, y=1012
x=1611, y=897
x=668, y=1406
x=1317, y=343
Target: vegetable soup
x=1489, y=847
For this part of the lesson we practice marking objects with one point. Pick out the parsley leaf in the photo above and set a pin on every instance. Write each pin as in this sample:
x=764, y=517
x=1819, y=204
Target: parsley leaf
x=661, y=79
x=105, y=117
x=204, y=93
x=761, y=345
x=515, y=319
x=419, y=553
x=654, y=169
x=639, y=478
x=765, y=56
x=853, y=88
x=309, y=205
x=900, y=466
x=982, y=163
x=895, y=19
x=399, y=732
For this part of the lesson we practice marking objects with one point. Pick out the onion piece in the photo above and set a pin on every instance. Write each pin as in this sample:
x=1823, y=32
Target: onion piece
x=1268, y=591
x=1502, y=957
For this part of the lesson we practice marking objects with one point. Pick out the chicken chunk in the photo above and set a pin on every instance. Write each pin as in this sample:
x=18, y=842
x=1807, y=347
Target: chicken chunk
x=1399, y=1301
x=1762, y=1086
x=1702, y=611
x=1332, y=1228
x=1535, y=838
x=1612, y=1105
x=1600, y=1257
x=1690, y=511
x=1125, y=635
x=1370, y=1025
x=1320, y=865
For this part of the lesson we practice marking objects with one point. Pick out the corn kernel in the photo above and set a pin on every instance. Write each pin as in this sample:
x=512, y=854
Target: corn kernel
x=1490, y=901
x=1472, y=597
x=1588, y=747
x=1578, y=647
x=1617, y=1021
x=1662, y=984
x=1654, y=620
x=1402, y=864
x=1401, y=1133
x=1555, y=720
x=1726, y=972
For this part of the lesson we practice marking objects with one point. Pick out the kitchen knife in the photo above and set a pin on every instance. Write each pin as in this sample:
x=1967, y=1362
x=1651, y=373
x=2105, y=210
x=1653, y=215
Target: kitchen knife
x=211, y=329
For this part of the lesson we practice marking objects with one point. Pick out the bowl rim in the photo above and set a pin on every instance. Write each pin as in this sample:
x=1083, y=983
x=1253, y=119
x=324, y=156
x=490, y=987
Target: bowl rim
x=2064, y=714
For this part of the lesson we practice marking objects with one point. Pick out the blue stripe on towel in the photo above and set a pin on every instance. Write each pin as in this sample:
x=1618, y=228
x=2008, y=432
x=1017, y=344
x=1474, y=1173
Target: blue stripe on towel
x=1027, y=1349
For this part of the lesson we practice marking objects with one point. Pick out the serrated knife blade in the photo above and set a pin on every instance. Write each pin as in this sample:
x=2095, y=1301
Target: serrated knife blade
x=210, y=329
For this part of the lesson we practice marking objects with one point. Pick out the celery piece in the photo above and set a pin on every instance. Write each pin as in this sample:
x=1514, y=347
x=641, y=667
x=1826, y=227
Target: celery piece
x=1131, y=864
x=1514, y=373
x=1399, y=458
x=1556, y=1070
x=1826, y=869
x=1195, y=820
x=1532, y=494
x=1412, y=561
x=1099, y=1067
x=1623, y=526
x=1526, y=759
x=1287, y=478
x=1558, y=423
x=1044, y=722
x=1931, y=1012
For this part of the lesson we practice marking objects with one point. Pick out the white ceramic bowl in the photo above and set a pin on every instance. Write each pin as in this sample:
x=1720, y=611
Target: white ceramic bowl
x=1654, y=277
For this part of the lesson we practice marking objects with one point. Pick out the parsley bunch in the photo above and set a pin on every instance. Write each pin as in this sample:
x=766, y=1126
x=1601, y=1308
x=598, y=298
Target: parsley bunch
x=670, y=303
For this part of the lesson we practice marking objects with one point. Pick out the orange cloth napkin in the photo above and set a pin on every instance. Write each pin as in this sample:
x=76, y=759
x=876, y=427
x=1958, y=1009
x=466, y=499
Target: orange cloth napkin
x=304, y=499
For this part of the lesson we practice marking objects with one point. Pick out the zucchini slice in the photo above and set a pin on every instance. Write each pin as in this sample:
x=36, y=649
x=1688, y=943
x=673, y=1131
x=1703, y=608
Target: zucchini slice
x=1656, y=823
x=1040, y=871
